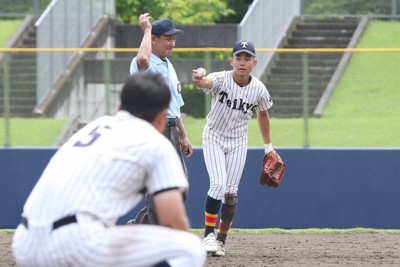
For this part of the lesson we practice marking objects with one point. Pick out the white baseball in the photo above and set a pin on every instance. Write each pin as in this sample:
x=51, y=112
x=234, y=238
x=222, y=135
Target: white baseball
x=201, y=72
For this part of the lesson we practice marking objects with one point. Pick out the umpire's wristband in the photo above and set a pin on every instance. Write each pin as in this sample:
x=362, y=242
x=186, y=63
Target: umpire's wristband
x=268, y=148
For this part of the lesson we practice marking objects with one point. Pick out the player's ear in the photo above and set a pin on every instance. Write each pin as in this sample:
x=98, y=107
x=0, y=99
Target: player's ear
x=160, y=120
x=254, y=62
x=153, y=38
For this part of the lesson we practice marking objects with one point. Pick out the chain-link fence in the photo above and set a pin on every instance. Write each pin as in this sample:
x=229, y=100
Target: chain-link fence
x=363, y=103
x=302, y=74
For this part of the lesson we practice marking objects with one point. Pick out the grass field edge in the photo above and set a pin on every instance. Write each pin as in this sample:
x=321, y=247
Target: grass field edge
x=285, y=231
x=308, y=230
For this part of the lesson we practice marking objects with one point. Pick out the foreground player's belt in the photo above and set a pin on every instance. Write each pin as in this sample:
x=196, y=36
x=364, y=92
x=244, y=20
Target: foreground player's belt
x=57, y=224
x=171, y=122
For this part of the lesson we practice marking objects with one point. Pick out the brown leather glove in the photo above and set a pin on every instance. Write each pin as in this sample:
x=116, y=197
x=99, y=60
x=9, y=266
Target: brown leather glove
x=273, y=169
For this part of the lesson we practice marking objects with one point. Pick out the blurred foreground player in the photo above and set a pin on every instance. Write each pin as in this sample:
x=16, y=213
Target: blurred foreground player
x=99, y=175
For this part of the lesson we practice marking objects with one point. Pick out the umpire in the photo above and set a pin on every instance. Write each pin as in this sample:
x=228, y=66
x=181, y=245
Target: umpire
x=157, y=44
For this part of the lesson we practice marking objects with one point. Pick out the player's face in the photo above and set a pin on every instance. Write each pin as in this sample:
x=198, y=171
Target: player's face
x=243, y=63
x=163, y=45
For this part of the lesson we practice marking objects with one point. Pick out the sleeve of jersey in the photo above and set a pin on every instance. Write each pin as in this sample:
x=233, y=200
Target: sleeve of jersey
x=265, y=100
x=166, y=170
x=218, y=79
x=134, y=66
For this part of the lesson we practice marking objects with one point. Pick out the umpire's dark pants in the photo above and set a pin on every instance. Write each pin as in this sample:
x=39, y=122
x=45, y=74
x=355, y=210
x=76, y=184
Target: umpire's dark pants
x=148, y=215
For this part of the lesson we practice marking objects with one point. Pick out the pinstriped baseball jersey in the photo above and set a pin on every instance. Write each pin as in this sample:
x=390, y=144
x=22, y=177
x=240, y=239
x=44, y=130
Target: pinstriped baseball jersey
x=114, y=163
x=232, y=106
x=225, y=133
x=128, y=166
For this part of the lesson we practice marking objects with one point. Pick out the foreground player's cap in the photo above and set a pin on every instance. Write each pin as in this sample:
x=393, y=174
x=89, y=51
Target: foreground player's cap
x=244, y=46
x=164, y=27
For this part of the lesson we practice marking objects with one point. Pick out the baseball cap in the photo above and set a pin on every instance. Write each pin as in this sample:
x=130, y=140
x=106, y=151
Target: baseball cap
x=164, y=27
x=244, y=46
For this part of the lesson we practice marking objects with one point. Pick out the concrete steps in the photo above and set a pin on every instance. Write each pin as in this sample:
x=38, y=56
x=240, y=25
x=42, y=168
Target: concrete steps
x=22, y=77
x=283, y=80
x=285, y=76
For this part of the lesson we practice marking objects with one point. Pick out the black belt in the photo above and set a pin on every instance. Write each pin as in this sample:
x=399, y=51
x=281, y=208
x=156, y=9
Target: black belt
x=57, y=224
x=171, y=122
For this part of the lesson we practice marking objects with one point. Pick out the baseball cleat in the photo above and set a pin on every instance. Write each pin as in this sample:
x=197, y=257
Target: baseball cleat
x=131, y=221
x=221, y=249
x=210, y=243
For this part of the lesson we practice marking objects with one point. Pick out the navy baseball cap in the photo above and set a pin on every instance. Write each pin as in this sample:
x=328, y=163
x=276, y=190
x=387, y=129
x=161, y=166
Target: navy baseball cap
x=244, y=46
x=164, y=27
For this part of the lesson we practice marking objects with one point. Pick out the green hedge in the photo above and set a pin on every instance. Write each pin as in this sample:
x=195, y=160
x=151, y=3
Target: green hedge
x=194, y=101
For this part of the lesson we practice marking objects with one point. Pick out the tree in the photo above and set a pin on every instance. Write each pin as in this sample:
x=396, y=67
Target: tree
x=353, y=7
x=180, y=11
x=240, y=7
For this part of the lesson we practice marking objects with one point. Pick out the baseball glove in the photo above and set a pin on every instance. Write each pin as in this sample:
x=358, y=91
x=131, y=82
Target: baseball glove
x=273, y=169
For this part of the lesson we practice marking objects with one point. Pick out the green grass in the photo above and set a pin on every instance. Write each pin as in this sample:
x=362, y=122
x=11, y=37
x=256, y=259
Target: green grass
x=32, y=132
x=7, y=231
x=308, y=231
x=287, y=231
x=363, y=111
x=332, y=132
x=8, y=28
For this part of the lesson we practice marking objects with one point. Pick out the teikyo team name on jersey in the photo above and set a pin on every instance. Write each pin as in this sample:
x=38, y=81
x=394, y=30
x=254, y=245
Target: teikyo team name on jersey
x=238, y=104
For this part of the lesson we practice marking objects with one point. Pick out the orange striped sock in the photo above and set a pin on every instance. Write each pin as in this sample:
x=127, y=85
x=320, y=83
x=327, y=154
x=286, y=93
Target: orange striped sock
x=211, y=212
x=210, y=222
x=211, y=219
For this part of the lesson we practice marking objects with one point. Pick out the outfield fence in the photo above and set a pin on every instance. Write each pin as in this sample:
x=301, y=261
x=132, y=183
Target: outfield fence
x=322, y=188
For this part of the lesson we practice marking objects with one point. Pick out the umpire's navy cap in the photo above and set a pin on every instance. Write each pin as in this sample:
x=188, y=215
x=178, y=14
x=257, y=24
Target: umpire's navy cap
x=164, y=27
x=244, y=46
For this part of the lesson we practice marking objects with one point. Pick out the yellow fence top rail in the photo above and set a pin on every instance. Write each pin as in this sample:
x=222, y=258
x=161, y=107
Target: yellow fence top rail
x=201, y=49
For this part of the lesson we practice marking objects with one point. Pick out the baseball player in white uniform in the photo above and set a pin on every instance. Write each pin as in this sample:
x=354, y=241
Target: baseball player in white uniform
x=236, y=94
x=99, y=175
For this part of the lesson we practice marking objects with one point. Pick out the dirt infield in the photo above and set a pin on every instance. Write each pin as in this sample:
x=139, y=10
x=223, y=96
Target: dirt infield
x=291, y=249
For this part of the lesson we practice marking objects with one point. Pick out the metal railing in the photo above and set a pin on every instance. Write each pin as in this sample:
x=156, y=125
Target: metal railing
x=265, y=23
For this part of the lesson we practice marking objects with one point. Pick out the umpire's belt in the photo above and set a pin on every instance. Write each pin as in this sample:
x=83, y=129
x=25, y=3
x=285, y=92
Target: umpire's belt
x=171, y=122
x=57, y=224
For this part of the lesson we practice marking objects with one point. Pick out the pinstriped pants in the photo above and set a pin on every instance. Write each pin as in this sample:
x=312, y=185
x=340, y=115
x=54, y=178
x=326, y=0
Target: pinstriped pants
x=90, y=243
x=225, y=158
